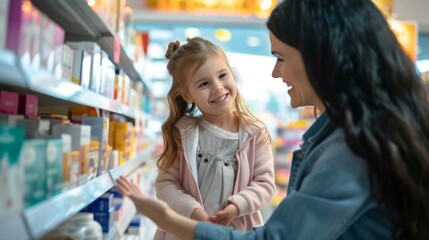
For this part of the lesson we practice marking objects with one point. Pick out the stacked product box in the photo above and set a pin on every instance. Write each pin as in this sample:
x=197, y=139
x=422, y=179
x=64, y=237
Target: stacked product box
x=86, y=70
x=104, y=211
x=81, y=137
x=11, y=175
x=99, y=133
x=32, y=159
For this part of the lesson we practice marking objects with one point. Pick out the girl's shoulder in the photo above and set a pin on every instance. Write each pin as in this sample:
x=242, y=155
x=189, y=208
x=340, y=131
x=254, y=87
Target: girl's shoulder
x=186, y=122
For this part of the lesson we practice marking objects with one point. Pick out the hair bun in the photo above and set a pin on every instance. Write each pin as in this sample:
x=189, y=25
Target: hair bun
x=172, y=47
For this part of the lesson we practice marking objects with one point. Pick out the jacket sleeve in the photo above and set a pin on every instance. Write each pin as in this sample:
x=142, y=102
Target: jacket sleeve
x=260, y=190
x=168, y=188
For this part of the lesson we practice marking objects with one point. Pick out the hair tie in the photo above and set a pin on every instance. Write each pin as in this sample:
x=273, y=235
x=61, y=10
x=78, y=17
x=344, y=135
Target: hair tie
x=172, y=47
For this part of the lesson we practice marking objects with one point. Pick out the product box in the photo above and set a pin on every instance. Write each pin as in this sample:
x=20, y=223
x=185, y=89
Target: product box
x=86, y=64
x=107, y=76
x=11, y=174
x=103, y=204
x=122, y=140
x=19, y=30
x=32, y=159
x=54, y=167
x=99, y=133
x=4, y=16
x=78, y=56
x=67, y=158
x=9, y=102
x=58, y=52
x=47, y=49
x=10, y=119
x=28, y=105
x=105, y=219
x=35, y=128
x=81, y=137
x=66, y=62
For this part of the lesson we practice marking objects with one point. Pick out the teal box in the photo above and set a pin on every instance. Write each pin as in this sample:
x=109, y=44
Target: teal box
x=11, y=175
x=54, y=167
x=32, y=159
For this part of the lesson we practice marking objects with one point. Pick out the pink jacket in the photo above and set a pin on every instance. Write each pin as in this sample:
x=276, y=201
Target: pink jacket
x=254, y=185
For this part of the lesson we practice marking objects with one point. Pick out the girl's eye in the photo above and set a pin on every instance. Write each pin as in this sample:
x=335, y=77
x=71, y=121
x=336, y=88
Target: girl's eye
x=223, y=75
x=204, y=84
x=279, y=60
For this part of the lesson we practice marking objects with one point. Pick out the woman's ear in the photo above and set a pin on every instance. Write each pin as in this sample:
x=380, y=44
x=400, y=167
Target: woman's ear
x=186, y=97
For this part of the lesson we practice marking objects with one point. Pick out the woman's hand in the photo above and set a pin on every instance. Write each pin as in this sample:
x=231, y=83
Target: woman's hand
x=146, y=205
x=225, y=216
x=158, y=211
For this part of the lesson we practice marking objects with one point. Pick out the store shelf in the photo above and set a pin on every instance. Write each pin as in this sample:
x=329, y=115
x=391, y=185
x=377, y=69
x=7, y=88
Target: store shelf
x=13, y=228
x=47, y=215
x=9, y=71
x=81, y=23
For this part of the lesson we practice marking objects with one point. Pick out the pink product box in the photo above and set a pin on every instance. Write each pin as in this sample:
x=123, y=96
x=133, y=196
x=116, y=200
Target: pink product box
x=28, y=105
x=9, y=102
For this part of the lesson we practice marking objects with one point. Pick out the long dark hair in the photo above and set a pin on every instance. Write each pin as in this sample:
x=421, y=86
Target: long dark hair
x=372, y=92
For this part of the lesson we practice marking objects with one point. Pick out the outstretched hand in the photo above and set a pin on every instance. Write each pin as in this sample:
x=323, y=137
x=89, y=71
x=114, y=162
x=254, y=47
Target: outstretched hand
x=146, y=205
x=225, y=216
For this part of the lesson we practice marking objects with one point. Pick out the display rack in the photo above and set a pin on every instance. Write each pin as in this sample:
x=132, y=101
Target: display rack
x=81, y=23
x=12, y=74
x=38, y=220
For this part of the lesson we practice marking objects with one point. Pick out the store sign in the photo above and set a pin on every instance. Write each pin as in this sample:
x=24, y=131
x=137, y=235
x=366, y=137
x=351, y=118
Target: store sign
x=406, y=32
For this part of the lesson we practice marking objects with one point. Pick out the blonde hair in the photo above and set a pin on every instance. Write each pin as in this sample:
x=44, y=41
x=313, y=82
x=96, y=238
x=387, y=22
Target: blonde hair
x=184, y=61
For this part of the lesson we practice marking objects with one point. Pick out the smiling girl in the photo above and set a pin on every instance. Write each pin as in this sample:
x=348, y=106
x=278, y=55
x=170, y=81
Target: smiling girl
x=216, y=166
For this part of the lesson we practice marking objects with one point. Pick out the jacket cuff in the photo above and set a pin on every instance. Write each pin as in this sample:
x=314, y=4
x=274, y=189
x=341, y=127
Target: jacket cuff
x=240, y=202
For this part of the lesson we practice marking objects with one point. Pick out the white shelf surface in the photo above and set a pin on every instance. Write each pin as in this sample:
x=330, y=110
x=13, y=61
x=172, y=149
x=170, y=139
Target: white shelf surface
x=12, y=228
x=47, y=215
x=9, y=71
x=38, y=220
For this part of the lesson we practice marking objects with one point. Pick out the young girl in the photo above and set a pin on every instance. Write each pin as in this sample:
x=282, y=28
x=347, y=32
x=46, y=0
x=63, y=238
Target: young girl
x=217, y=166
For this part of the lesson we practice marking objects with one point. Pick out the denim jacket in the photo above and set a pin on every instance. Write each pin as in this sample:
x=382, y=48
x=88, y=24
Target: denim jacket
x=328, y=197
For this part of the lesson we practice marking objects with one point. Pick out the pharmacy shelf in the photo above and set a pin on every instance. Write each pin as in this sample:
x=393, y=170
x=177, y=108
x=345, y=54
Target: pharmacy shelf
x=9, y=70
x=43, y=82
x=48, y=214
x=81, y=23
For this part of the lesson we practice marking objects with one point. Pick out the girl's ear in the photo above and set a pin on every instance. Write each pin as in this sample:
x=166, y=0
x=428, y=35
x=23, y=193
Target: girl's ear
x=186, y=97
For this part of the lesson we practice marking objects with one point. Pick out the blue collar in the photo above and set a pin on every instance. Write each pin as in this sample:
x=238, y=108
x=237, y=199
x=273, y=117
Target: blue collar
x=315, y=130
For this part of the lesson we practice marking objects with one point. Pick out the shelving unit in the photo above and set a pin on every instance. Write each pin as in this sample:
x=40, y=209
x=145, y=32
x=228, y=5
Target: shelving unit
x=80, y=23
x=38, y=220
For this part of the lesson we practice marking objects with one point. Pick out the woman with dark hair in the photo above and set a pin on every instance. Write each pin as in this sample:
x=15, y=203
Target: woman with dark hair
x=363, y=169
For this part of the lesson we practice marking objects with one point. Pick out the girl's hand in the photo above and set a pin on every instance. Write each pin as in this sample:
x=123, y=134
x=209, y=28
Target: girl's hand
x=225, y=216
x=200, y=215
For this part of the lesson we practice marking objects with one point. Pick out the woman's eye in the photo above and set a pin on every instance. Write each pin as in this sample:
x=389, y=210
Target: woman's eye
x=279, y=60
